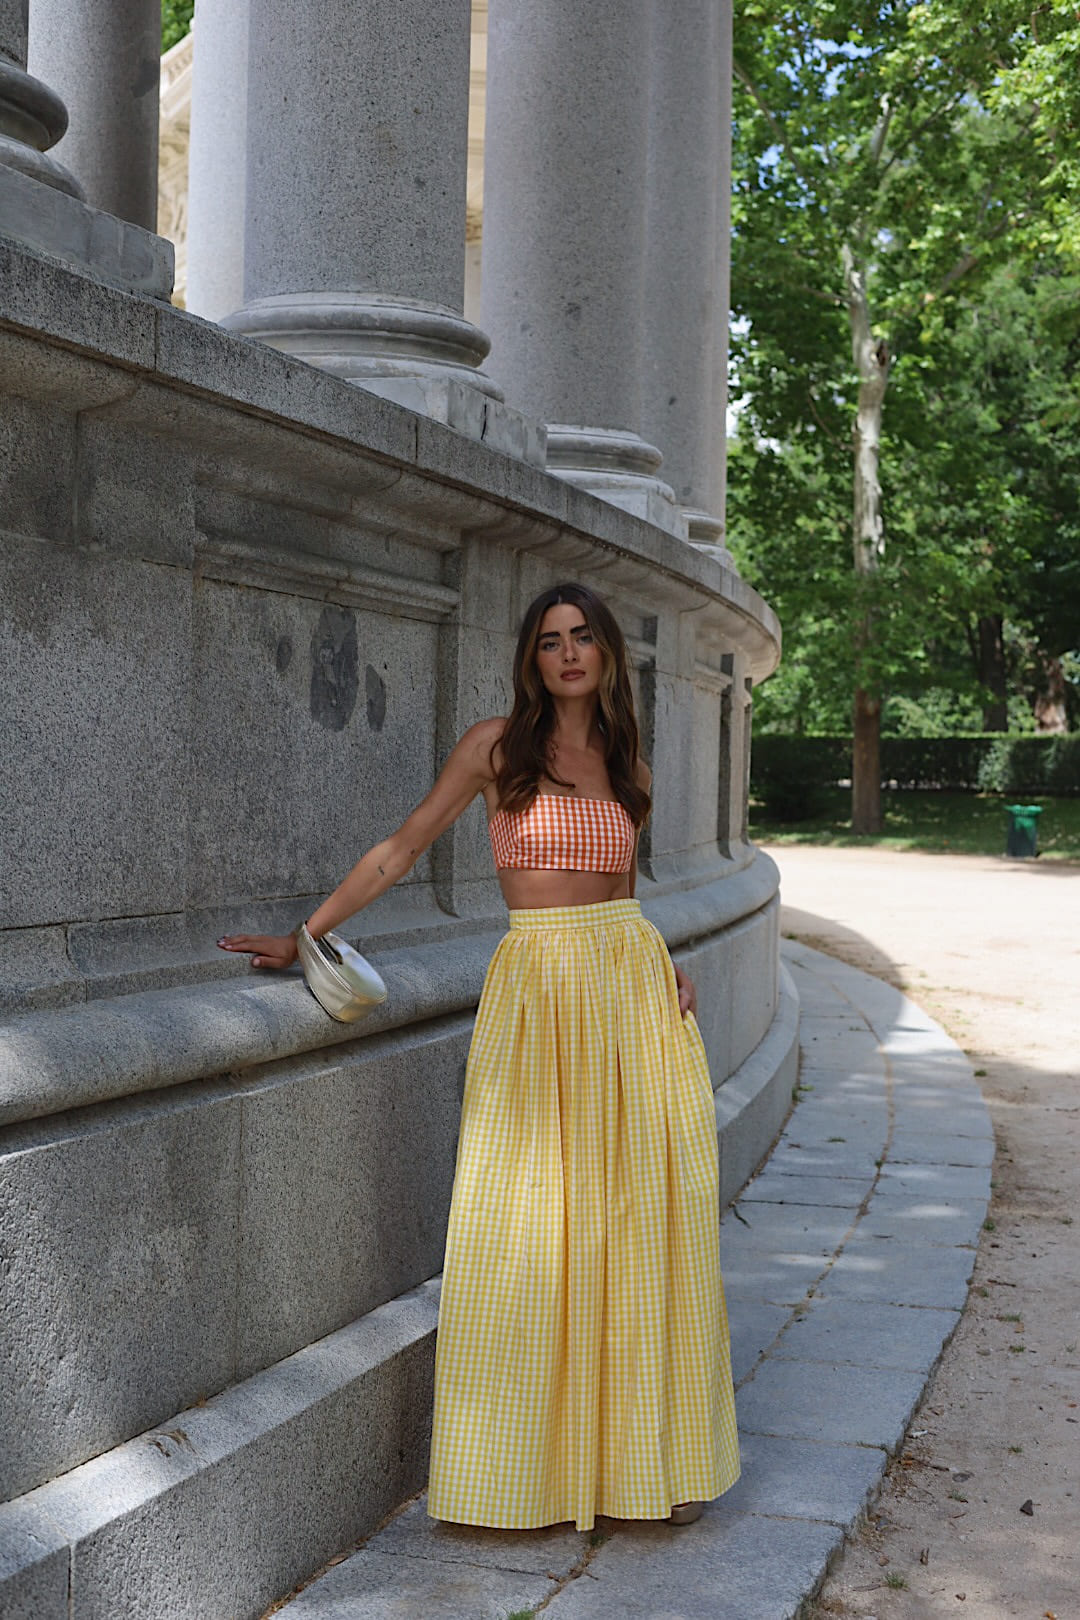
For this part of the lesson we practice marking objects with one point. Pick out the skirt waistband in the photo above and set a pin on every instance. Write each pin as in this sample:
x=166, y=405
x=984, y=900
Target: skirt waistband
x=600, y=914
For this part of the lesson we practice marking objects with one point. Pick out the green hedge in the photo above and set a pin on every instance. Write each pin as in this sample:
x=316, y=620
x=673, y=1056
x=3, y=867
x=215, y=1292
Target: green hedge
x=789, y=774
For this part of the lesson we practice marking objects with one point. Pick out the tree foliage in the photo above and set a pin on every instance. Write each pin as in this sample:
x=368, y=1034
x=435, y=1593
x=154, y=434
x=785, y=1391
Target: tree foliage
x=176, y=18
x=899, y=157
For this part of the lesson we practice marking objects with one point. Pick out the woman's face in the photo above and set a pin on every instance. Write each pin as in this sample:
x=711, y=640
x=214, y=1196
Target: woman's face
x=569, y=661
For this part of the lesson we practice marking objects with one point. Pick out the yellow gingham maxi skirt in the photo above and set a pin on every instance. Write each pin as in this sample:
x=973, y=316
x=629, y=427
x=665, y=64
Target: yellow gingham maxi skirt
x=583, y=1364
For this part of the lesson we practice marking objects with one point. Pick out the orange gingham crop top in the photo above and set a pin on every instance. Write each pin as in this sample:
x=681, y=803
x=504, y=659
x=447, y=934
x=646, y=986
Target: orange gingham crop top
x=561, y=833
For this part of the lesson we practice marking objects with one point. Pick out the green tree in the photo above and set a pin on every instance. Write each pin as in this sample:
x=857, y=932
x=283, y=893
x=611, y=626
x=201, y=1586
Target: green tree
x=176, y=18
x=872, y=184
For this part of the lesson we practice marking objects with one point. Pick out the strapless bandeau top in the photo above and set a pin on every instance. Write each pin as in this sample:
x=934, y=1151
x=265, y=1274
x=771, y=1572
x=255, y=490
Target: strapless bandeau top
x=560, y=833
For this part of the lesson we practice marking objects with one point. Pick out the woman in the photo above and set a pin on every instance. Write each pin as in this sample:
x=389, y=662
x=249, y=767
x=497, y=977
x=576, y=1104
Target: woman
x=582, y=1363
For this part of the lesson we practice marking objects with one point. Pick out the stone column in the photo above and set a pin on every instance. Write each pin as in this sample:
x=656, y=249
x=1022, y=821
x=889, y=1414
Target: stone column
x=687, y=210
x=564, y=235
x=32, y=117
x=104, y=59
x=354, y=254
x=718, y=502
x=217, y=158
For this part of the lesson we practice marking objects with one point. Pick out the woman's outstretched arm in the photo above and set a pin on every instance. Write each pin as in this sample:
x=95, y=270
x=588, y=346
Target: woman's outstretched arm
x=466, y=773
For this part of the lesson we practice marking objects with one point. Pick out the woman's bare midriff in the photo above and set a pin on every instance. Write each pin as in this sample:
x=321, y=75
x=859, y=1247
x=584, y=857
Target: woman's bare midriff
x=527, y=890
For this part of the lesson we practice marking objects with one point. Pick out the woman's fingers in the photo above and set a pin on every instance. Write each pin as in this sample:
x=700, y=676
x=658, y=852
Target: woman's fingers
x=265, y=950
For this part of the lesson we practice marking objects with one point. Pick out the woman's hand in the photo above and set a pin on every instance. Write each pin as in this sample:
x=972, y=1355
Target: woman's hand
x=267, y=950
x=687, y=993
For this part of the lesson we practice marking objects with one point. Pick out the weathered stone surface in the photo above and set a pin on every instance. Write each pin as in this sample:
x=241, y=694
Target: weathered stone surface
x=297, y=669
x=842, y=1192
x=753, y=1327
x=916, y=1220
x=412, y=1533
x=752, y=1103
x=95, y=654
x=121, y=474
x=231, y=1504
x=890, y=1269
x=748, y=1568
x=573, y=359
x=106, y=70
x=917, y=1147
x=41, y=218
x=34, y=1560
x=372, y=1586
x=811, y=1400
x=874, y=1335
x=782, y=1278
x=217, y=159
x=119, y=1288
x=930, y=1181
x=335, y=1217
x=37, y=463
x=802, y=1479
x=812, y=1228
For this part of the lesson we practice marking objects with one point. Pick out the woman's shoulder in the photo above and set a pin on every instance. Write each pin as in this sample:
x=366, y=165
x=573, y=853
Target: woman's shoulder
x=642, y=774
x=485, y=733
x=481, y=742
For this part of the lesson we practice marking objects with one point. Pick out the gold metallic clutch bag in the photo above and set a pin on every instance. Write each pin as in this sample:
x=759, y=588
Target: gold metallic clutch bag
x=343, y=982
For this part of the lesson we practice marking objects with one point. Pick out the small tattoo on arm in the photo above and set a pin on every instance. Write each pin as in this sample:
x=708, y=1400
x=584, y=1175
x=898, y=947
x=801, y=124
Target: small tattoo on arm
x=381, y=872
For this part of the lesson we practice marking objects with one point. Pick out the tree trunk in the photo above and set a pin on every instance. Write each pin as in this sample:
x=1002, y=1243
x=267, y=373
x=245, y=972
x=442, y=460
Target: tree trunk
x=1050, y=711
x=992, y=675
x=871, y=357
x=866, y=764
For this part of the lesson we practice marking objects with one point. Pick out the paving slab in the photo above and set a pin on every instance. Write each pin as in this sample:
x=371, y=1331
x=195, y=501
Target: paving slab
x=933, y=1180
x=840, y=1192
x=553, y=1551
x=739, y=1568
x=887, y=1269
x=785, y=1226
x=846, y=1262
x=803, y=1479
x=914, y=1147
x=857, y=1406
x=902, y=1336
x=378, y=1586
x=932, y=1221
x=754, y=1326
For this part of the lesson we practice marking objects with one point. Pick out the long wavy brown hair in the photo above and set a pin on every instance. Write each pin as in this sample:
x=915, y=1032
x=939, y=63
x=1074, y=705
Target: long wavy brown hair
x=527, y=736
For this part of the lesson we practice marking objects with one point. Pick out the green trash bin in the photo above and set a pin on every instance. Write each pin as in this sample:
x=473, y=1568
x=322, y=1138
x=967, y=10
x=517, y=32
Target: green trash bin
x=1023, y=835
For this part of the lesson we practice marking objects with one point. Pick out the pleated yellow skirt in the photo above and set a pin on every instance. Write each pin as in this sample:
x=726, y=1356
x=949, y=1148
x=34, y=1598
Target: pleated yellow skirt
x=583, y=1364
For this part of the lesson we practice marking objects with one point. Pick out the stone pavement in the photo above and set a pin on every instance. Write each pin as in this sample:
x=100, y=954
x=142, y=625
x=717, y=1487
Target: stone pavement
x=846, y=1263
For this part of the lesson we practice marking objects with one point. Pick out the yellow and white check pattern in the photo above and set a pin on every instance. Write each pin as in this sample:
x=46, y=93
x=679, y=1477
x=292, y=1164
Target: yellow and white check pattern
x=583, y=1364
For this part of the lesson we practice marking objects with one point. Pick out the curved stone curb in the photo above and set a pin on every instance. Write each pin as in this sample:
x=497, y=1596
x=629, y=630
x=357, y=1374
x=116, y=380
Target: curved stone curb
x=846, y=1263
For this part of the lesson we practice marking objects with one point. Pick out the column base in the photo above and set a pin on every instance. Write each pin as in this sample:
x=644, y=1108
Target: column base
x=32, y=118
x=365, y=336
x=50, y=221
x=706, y=533
x=616, y=466
x=423, y=356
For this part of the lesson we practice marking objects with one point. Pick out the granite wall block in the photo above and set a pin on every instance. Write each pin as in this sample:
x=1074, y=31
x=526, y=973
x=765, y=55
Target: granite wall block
x=117, y=1274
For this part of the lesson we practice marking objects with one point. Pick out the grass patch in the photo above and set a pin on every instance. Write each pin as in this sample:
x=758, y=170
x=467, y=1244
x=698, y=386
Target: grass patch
x=897, y=1582
x=941, y=823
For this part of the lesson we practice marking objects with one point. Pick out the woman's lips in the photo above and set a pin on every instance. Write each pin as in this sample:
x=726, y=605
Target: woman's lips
x=573, y=675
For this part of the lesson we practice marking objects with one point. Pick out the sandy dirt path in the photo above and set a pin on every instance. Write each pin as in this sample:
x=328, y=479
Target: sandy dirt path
x=980, y=1515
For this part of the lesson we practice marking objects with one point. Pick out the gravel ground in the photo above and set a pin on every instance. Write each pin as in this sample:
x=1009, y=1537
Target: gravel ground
x=980, y=1515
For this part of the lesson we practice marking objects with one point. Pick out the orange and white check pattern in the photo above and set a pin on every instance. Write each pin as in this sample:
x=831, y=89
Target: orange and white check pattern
x=562, y=833
x=583, y=1364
